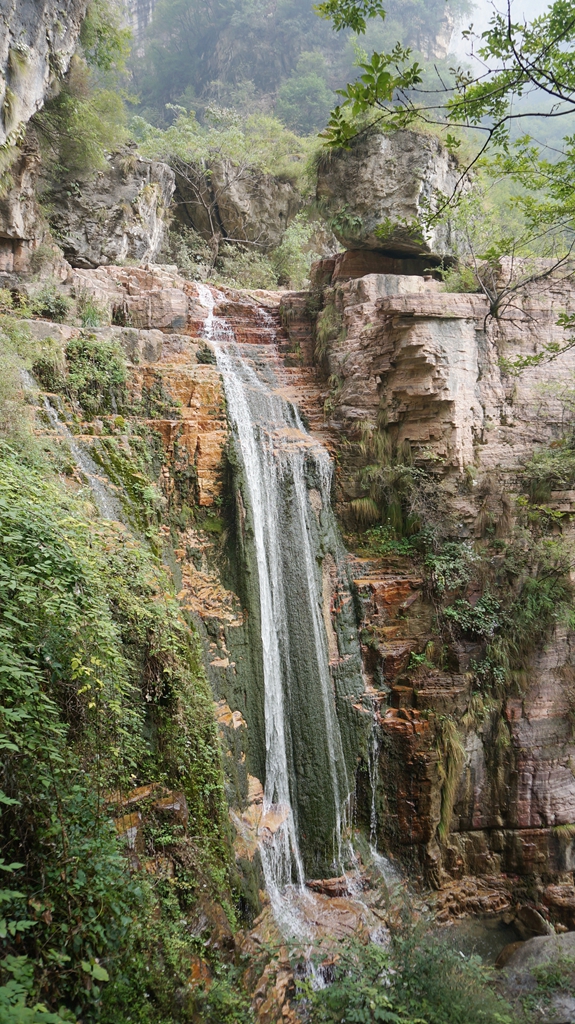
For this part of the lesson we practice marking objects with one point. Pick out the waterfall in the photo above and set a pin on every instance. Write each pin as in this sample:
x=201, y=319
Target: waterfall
x=279, y=459
x=107, y=505
x=373, y=770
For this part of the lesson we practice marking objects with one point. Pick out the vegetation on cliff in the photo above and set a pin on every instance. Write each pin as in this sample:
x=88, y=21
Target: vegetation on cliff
x=107, y=719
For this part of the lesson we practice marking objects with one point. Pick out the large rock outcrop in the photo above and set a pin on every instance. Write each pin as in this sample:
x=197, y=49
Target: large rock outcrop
x=240, y=203
x=22, y=225
x=429, y=363
x=117, y=214
x=376, y=194
x=551, y=1003
x=37, y=41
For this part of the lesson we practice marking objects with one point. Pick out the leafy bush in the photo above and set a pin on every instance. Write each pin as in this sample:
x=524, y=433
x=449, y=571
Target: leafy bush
x=527, y=590
x=258, y=141
x=95, y=659
x=95, y=376
x=381, y=540
x=90, y=312
x=18, y=350
x=417, y=982
x=292, y=259
x=17, y=1003
x=451, y=567
x=550, y=469
x=105, y=41
x=480, y=620
x=460, y=278
x=245, y=269
x=50, y=304
x=188, y=250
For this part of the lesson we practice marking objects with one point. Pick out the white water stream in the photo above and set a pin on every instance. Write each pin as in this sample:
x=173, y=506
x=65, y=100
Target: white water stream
x=107, y=505
x=275, y=449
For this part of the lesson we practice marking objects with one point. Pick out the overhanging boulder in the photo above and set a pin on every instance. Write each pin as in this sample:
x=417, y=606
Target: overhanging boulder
x=376, y=194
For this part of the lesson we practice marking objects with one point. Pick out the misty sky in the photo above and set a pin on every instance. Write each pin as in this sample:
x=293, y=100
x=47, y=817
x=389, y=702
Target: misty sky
x=483, y=11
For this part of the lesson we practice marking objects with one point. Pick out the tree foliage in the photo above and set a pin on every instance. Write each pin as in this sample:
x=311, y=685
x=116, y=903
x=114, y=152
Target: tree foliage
x=80, y=125
x=417, y=981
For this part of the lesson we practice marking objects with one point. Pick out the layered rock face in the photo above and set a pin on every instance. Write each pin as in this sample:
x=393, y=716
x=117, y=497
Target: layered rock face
x=118, y=214
x=37, y=42
x=377, y=193
x=430, y=359
x=148, y=297
x=22, y=226
x=428, y=363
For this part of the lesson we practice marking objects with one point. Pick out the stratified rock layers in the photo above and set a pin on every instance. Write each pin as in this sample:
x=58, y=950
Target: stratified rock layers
x=428, y=363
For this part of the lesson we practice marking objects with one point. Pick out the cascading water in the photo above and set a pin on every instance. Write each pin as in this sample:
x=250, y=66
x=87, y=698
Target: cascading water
x=107, y=505
x=280, y=461
x=373, y=770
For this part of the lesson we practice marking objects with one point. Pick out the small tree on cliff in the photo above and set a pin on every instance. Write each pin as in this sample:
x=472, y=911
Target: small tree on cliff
x=212, y=159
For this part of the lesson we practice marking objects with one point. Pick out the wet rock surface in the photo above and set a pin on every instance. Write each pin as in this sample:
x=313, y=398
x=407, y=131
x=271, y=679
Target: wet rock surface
x=356, y=907
x=428, y=361
x=524, y=977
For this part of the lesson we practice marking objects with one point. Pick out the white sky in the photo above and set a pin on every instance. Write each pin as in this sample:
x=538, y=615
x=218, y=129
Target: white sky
x=482, y=13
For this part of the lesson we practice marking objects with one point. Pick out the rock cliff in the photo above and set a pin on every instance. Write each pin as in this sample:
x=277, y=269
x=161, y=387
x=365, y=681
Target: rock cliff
x=111, y=216
x=36, y=45
x=115, y=215
x=22, y=226
x=236, y=202
x=427, y=363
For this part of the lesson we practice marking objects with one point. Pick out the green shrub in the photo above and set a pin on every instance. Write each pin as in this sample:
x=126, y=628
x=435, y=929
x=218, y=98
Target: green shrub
x=304, y=100
x=526, y=591
x=483, y=619
x=452, y=566
x=460, y=278
x=550, y=469
x=50, y=304
x=188, y=250
x=93, y=376
x=95, y=659
x=418, y=981
x=91, y=312
x=245, y=269
x=96, y=375
x=381, y=540
x=105, y=41
x=292, y=259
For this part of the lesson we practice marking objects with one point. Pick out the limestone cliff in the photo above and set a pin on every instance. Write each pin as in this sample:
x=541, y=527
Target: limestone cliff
x=236, y=202
x=115, y=214
x=428, y=364
x=37, y=42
